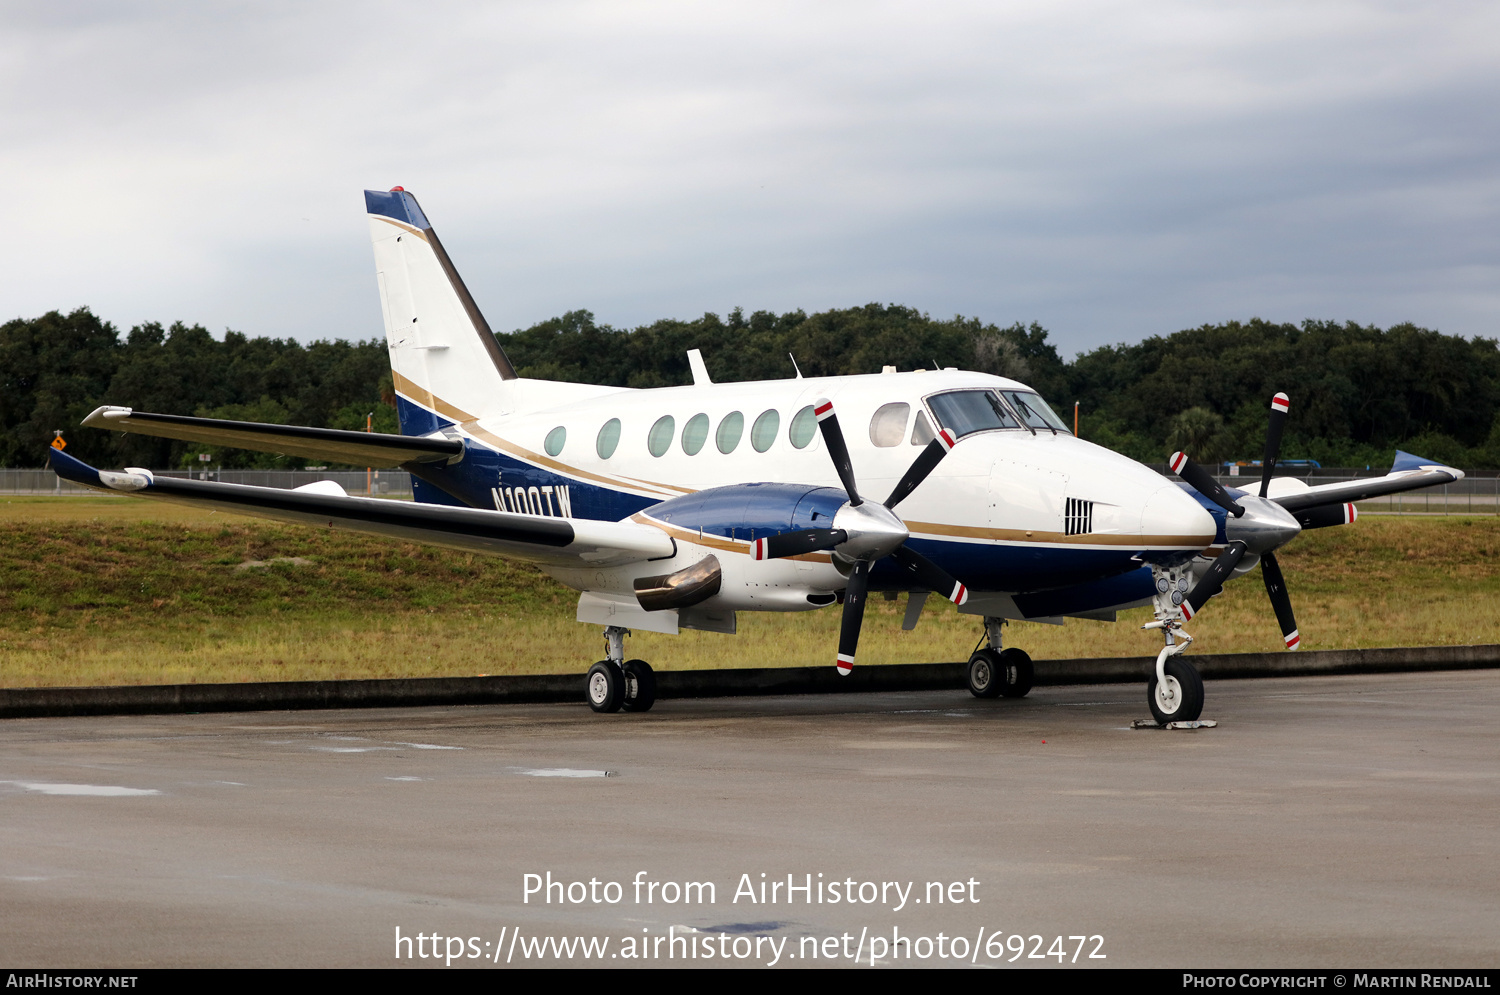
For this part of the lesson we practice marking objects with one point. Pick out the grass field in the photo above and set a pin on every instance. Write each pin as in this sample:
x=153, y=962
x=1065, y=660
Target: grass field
x=114, y=590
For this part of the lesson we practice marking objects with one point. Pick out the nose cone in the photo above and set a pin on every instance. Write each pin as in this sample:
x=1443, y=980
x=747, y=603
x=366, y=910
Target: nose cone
x=1171, y=519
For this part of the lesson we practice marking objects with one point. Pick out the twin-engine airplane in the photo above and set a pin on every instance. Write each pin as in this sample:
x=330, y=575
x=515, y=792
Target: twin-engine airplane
x=680, y=506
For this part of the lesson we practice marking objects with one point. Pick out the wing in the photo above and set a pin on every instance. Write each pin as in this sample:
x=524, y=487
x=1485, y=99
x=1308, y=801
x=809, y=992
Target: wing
x=1407, y=474
x=566, y=541
x=375, y=449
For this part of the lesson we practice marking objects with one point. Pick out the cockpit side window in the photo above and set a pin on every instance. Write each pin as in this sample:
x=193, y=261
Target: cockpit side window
x=1034, y=411
x=889, y=424
x=963, y=412
x=921, y=431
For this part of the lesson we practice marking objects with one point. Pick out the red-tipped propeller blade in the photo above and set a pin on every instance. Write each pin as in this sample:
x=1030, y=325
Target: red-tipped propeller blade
x=833, y=438
x=1213, y=581
x=1270, y=572
x=1203, y=482
x=1324, y=515
x=1280, y=405
x=924, y=464
x=930, y=575
x=795, y=543
x=854, y=615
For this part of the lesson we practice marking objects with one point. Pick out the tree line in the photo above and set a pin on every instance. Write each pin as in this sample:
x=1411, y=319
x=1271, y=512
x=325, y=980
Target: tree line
x=1358, y=392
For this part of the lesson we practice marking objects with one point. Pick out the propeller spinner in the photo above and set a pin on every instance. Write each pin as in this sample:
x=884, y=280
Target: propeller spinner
x=865, y=532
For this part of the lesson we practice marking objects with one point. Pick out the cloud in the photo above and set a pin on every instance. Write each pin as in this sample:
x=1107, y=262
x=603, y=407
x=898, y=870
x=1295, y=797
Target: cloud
x=1111, y=170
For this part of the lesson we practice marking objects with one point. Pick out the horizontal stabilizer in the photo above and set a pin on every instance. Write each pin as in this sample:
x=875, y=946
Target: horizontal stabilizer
x=374, y=449
x=538, y=538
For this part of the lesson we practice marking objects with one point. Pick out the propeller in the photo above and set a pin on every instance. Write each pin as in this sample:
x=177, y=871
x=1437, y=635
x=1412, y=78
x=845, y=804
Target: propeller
x=1263, y=528
x=865, y=532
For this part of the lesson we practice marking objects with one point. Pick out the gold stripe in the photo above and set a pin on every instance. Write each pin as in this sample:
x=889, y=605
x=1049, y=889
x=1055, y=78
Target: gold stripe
x=1057, y=538
x=470, y=424
x=402, y=225
x=718, y=542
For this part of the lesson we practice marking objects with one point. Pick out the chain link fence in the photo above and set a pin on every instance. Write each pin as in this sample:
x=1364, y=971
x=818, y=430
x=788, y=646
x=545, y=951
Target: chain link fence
x=379, y=483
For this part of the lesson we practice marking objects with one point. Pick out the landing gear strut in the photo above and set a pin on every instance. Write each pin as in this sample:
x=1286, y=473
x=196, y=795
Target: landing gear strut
x=1175, y=690
x=995, y=672
x=615, y=683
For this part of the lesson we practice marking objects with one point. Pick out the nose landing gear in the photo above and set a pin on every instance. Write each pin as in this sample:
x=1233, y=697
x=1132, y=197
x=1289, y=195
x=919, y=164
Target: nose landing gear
x=1175, y=689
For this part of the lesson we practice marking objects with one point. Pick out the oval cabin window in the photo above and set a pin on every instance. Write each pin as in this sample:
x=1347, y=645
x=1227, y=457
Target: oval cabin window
x=609, y=439
x=730, y=430
x=695, y=434
x=888, y=427
x=764, y=432
x=804, y=427
x=660, y=438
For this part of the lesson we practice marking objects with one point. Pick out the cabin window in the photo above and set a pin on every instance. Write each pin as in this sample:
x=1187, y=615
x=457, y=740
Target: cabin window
x=889, y=424
x=609, y=439
x=964, y=411
x=555, y=440
x=1033, y=410
x=804, y=427
x=764, y=431
x=660, y=438
x=730, y=430
x=695, y=434
x=921, y=432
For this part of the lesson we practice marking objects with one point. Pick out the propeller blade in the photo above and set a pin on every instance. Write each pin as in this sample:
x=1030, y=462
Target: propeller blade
x=1203, y=482
x=1213, y=581
x=1280, y=404
x=833, y=438
x=854, y=615
x=924, y=464
x=1324, y=515
x=930, y=575
x=794, y=543
x=1270, y=572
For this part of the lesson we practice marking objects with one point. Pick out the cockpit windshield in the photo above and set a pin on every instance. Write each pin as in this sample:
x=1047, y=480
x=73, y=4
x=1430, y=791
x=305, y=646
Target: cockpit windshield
x=1033, y=410
x=965, y=411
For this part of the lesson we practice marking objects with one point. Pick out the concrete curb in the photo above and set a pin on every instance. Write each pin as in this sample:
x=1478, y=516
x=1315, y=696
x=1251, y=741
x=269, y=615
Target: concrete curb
x=417, y=691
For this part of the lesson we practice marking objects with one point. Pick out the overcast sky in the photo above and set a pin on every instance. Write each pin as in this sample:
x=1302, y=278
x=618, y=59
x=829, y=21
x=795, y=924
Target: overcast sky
x=1111, y=170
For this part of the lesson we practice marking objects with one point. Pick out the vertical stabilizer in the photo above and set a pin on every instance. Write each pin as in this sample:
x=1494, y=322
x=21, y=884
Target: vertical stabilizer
x=444, y=357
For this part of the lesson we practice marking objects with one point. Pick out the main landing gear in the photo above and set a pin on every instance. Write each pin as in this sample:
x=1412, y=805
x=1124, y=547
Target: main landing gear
x=1175, y=690
x=996, y=672
x=616, y=683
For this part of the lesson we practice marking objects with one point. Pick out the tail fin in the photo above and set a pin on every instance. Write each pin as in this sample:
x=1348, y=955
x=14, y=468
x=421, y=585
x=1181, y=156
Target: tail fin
x=445, y=362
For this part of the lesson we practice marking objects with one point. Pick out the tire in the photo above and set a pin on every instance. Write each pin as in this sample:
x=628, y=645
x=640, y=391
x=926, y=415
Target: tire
x=1016, y=673
x=604, y=687
x=640, y=686
x=984, y=674
x=1182, y=698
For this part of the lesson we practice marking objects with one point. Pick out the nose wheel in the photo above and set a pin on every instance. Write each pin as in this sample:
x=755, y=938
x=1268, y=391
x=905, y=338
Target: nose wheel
x=1178, y=695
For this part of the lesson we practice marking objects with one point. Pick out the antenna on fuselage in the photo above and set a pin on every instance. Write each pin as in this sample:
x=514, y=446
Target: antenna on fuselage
x=794, y=365
x=700, y=371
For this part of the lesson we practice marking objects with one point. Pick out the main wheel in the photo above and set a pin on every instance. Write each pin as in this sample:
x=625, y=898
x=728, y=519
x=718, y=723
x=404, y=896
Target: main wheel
x=640, y=686
x=605, y=686
x=984, y=674
x=1016, y=673
x=1180, y=697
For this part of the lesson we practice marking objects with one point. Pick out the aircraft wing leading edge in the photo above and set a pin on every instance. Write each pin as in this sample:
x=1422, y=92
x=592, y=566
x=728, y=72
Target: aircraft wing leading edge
x=373, y=449
x=1396, y=482
x=564, y=541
